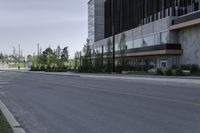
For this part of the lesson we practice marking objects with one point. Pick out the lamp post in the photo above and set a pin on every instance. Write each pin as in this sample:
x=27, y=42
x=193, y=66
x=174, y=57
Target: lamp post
x=113, y=32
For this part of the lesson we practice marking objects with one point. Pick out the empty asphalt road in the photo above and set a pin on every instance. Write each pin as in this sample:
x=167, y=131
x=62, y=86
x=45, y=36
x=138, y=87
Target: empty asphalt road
x=61, y=104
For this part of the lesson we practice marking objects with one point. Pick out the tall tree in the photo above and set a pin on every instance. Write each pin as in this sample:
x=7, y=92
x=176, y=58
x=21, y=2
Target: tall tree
x=86, y=64
x=46, y=56
x=58, y=56
x=64, y=55
x=77, y=59
x=58, y=52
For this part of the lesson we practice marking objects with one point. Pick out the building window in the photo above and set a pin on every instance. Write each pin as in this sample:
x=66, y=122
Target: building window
x=105, y=49
x=164, y=37
x=129, y=44
x=138, y=43
x=148, y=41
x=116, y=47
x=157, y=39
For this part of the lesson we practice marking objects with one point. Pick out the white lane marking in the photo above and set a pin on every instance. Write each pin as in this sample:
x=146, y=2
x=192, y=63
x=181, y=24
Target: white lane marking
x=2, y=93
x=4, y=82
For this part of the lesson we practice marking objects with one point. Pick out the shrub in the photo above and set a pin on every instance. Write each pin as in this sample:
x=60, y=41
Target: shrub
x=42, y=68
x=194, y=68
x=160, y=72
x=48, y=69
x=169, y=72
x=32, y=68
x=175, y=67
x=118, y=69
x=179, y=72
x=54, y=69
x=186, y=67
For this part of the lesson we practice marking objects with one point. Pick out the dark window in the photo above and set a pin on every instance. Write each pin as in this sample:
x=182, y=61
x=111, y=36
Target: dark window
x=130, y=14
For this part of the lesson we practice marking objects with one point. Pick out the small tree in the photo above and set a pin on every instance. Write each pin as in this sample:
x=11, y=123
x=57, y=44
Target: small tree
x=109, y=56
x=86, y=64
x=1, y=56
x=30, y=58
x=98, y=63
x=58, y=56
x=123, y=48
x=64, y=55
x=77, y=60
x=45, y=58
x=58, y=52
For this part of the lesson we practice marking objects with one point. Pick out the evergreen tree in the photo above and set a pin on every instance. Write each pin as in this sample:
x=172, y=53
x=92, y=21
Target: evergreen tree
x=123, y=48
x=109, y=56
x=86, y=64
x=64, y=55
x=1, y=56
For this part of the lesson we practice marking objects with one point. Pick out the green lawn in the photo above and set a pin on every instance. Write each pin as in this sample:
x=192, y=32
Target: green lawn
x=4, y=126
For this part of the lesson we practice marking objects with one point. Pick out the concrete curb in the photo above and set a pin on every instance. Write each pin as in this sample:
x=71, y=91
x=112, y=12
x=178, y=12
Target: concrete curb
x=122, y=76
x=16, y=127
x=46, y=73
x=56, y=74
x=143, y=76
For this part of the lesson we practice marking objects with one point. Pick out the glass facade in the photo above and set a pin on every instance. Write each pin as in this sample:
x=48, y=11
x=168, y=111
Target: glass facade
x=91, y=26
x=164, y=37
x=148, y=40
x=138, y=43
x=157, y=38
x=129, y=44
x=129, y=14
x=95, y=20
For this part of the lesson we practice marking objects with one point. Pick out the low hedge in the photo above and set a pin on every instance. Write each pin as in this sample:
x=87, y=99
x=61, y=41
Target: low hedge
x=169, y=72
x=178, y=70
x=49, y=69
x=194, y=68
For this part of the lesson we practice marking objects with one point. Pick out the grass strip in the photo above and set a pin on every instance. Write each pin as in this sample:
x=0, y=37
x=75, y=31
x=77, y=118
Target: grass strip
x=4, y=125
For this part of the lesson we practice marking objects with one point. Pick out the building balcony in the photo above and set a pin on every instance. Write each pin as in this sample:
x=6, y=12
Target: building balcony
x=186, y=21
x=156, y=50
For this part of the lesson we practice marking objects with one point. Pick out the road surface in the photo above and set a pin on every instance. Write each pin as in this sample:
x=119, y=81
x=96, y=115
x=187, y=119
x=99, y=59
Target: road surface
x=63, y=104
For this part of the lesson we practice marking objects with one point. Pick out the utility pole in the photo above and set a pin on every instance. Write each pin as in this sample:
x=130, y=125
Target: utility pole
x=80, y=59
x=38, y=49
x=113, y=32
x=14, y=51
x=19, y=52
x=90, y=58
x=102, y=52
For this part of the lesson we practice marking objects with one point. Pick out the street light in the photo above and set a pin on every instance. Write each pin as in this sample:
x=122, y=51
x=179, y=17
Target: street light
x=113, y=32
x=13, y=50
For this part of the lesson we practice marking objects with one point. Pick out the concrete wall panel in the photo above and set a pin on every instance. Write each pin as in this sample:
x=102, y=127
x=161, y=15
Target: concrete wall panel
x=190, y=41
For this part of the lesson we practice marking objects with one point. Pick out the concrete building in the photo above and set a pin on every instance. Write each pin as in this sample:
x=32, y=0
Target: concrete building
x=159, y=33
x=95, y=20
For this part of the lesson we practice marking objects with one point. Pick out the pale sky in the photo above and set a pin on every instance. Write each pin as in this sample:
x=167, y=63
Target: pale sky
x=47, y=22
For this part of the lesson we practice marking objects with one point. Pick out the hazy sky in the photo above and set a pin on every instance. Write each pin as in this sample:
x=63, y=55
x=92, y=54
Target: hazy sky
x=47, y=22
